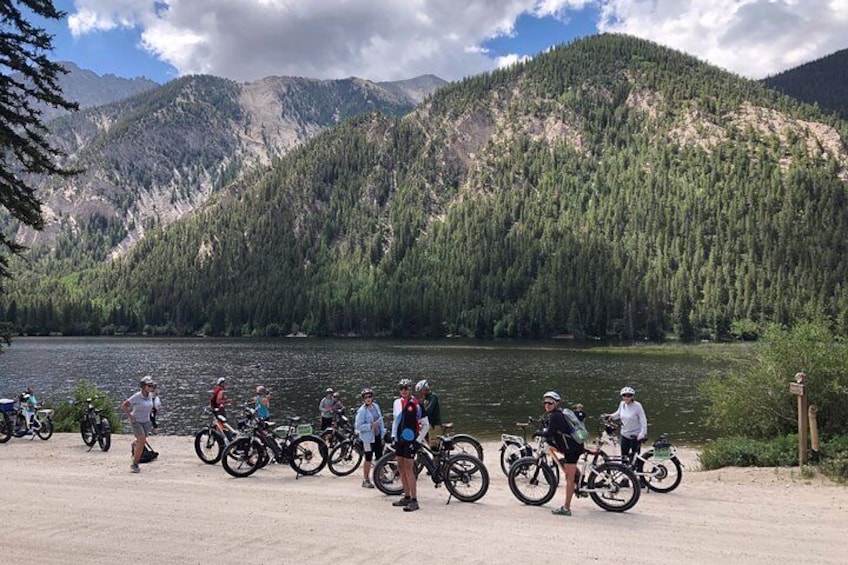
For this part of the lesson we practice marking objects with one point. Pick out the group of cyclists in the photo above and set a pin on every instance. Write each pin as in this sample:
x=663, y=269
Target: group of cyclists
x=416, y=418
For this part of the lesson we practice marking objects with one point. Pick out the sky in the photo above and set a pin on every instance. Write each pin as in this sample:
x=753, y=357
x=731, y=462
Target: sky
x=246, y=40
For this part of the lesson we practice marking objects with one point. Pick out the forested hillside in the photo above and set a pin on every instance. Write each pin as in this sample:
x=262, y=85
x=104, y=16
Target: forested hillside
x=823, y=82
x=610, y=188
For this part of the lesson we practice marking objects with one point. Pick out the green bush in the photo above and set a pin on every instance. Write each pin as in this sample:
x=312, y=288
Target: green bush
x=836, y=468
x=753, y=399
x=747, y=452
x=68, y=414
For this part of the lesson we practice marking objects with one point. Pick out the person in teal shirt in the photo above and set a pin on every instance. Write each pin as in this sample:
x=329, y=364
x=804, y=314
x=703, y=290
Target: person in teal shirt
x=263, y=403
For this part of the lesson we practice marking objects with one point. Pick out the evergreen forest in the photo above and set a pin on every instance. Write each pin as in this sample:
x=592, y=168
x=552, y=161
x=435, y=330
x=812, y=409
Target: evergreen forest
x=609, y=189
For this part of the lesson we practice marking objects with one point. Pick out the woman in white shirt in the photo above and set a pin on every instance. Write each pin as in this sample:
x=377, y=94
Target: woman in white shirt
x=634, y=423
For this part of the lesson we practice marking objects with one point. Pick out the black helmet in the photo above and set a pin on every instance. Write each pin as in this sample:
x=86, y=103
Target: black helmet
x=404, y=383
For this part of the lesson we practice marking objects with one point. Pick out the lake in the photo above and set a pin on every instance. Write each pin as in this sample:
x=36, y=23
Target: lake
x=484, y=387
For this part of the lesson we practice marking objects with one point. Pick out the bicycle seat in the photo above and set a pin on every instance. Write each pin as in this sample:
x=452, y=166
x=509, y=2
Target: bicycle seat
x=294, y=419
x=521, y=424
x=447, y=426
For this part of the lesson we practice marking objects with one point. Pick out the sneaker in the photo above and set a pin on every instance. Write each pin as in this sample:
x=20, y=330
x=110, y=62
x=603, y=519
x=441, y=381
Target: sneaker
x=412, y=506
x=402, y=502
x=367, y=484
x=561, y=511
x=134, y=468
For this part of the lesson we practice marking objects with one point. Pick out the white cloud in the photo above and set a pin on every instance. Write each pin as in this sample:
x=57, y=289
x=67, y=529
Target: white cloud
x=394, y=39
x=753, y=38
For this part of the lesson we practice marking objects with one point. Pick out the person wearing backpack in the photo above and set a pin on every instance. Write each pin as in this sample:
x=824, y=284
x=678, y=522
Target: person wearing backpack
x=565, y=433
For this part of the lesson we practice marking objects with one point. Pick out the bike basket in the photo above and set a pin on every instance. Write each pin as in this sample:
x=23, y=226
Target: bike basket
x=7, y=405
x=303, y=429
x=662, y=449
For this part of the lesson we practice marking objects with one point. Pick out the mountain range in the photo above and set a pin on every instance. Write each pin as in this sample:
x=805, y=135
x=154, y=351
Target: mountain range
x=609, y=188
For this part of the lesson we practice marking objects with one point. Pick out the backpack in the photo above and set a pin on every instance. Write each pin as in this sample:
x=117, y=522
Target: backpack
x=147, y=454
x=579, y=433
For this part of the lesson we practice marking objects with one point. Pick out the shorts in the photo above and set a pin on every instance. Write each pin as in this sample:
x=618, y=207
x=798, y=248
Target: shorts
x=406, y=449
x=142, y=429
x=433, y=436
x=575, y=450
x=370, y=450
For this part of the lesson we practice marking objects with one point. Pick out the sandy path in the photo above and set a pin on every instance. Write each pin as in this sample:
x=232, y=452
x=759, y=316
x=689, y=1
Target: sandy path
x=66, y=505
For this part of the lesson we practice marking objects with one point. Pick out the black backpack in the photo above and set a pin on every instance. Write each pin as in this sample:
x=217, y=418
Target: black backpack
x=147, y=455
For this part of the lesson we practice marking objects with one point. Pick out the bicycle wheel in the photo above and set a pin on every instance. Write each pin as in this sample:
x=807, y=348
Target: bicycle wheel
x=662, y=476
x=466, y=478
x=241, y=457
x=87, y=431
x=532, y=482
x=307, y=455
x=614, y=487
x=387, y=475
x=510, y=453
x=345, y=458
x=464, y=443
x=209, y=446
x=5, y=428
x=45, y=430
x=104, y=440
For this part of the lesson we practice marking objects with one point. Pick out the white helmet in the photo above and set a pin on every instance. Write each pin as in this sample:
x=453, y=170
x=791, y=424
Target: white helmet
x=627, y=390
x=552, y=395
x=220, y=381
x=422, y=385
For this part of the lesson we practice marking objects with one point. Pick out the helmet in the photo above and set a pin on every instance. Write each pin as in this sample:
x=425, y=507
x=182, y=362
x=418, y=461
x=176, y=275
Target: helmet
x=404, y=383
x=553, y=395
x=366, y=390
x=627, y=390
x=220, y=381
x=328, y=390
x=422, y=385
x=261, y=389
x=336, y=395
x=146, y=380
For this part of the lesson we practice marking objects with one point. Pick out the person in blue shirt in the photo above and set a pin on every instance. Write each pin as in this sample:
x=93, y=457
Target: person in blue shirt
x=370, y=428
x=262, y=403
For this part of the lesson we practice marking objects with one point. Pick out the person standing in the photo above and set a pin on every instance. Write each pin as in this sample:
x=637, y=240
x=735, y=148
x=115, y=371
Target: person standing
x=634, y=424
x=218, y=400
x=370, y=428
x=30, y=406
x=157, y=406
x=262, y=403
x=432, y=409
x=138, y=408
x=559, y=434
x=409, y=427
x=326, y=408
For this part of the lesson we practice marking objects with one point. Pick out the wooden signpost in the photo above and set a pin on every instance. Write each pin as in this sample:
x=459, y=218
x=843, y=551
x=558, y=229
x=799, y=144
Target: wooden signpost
x=798, y=389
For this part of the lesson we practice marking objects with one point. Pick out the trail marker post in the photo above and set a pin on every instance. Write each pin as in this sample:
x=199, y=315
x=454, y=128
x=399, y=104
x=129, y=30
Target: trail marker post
x=798, y=388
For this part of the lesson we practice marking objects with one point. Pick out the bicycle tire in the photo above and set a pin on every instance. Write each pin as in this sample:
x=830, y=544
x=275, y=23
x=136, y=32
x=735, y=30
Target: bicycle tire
x=532, y=482
x=466, y=478
x=662, y=476
x=308, y=455
x=510, y=453
x=208, y=446
x=104, y=440
x=241, y=457
x=45, y=431
x=614, y=487
x=345, y=458
x=5, y=428
x=89, y=436
x=387, y=475
x=464, y=443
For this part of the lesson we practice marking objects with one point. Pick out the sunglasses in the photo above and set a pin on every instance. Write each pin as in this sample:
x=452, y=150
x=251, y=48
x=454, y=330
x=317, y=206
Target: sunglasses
x=368, y=396
x=549, y=403
x=626, y=396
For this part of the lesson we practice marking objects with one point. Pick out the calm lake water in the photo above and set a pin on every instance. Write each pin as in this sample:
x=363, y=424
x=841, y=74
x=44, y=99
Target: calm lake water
x=484, y=387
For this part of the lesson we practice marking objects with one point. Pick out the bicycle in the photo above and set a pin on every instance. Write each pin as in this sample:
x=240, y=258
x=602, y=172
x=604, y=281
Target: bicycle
x=465, y=476
x=210, y=441
x=40, y=425
x=515, y=447
x=293, y=444
x=463, y=443
x=611, y=485
x=658, y=468
x=94, y=427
